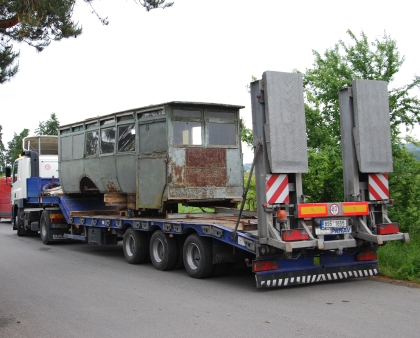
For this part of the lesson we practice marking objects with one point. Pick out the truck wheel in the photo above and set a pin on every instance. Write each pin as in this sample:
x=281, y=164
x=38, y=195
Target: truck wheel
x=198, y=256
x=45, y=228
x=19, y=223
x=135, y=246
x=163, y=251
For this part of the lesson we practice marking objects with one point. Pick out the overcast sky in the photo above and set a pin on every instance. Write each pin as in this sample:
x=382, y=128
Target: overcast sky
x=197, y=50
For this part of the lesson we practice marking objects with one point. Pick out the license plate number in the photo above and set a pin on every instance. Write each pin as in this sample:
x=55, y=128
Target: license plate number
x=332, y=227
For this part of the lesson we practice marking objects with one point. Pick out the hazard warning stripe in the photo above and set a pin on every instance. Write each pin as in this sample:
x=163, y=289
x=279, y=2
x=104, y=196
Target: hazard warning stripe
x=277, y=188
x=378, y=187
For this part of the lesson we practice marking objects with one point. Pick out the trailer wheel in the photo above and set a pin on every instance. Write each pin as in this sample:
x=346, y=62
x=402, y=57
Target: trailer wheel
x=135, y=246
x=163, y=251
x=198, y=256
x=45, y=228
x=19, y=223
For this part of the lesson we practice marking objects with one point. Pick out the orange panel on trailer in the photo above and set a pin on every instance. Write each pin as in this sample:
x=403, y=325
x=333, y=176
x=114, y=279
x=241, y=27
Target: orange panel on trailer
x=355, y=208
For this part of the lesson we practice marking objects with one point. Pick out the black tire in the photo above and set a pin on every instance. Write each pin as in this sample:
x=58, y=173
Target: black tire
x=198, y=256
x=163, y=251
x=45, y=227
x=19, y=223
x=135, y=246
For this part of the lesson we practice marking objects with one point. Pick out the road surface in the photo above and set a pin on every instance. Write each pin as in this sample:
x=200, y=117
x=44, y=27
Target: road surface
x=81, y=290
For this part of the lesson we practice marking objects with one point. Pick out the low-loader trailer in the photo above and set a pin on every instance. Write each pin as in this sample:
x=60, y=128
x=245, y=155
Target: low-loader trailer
x=123, y=175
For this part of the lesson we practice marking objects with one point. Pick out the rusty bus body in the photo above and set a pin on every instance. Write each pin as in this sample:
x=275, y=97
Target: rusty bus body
x=159, y=156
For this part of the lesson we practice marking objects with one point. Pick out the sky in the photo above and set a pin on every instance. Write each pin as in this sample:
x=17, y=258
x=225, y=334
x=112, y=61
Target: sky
x=197, y=50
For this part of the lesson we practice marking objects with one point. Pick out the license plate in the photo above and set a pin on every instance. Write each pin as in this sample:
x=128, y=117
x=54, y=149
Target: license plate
x=332, y=227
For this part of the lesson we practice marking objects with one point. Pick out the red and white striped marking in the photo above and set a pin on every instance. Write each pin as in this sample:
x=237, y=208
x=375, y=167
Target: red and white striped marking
x=277, y=188
x=378, y=187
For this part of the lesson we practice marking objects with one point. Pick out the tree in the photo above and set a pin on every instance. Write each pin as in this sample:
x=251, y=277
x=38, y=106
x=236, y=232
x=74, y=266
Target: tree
x=335, y=69
x=15, y=147
x=38, y=22
x=49, y=127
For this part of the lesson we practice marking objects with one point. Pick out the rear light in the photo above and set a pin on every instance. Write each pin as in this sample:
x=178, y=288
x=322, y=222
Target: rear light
x=265, y=265
x=387, y=229
x=295, y=235
x=367, y=256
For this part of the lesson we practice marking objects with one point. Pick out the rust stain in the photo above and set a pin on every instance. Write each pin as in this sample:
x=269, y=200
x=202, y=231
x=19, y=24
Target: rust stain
x=111, y=187
x=205, y=177
x=205, y=158
x=176, y=175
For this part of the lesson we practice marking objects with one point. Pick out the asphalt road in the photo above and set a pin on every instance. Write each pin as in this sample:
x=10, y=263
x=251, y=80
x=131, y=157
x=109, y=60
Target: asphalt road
x=81, y=290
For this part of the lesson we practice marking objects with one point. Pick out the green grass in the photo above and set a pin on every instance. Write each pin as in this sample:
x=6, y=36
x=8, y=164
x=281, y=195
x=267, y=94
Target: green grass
x=185, y=210
x=401, y=260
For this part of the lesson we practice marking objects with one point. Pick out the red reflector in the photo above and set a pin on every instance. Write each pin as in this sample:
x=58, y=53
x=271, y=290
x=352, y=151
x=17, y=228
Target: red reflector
x=387, y=229
x=367, y=256
x=265, y=265
x=295, y=235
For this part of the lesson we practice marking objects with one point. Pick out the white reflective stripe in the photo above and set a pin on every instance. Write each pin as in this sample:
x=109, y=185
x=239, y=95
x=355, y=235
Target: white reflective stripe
x=376, y=271
x=275, y=282
x=298, y=280
x=313, y=278
x=366, y=272
x=329, y=276
x=370, y=272
x=303, y=279
x=334, y=275
x=269, y=283
x=360, y=273
x=345, y=274
x=340, y=275
x=280, y=282
x=350, y=273
x=292, y=279
x=286, y=281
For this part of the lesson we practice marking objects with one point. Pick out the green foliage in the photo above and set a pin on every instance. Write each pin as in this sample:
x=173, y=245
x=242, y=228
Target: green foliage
x=246, y=135
x=49, y=127
x=337, y=68
x=404, y=185
x=401, y=260
x=15, y=147
x=37, y=23
x=332, y=71
x=324, y=180
x=251, y=197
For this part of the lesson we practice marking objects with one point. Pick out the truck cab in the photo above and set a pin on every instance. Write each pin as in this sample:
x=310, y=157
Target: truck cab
x=38, y=159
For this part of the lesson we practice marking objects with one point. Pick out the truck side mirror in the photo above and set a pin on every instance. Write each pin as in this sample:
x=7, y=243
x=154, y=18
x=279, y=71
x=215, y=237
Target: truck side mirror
x=8, y=171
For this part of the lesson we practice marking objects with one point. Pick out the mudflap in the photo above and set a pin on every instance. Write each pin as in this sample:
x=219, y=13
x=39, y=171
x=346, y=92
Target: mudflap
x=277, y=278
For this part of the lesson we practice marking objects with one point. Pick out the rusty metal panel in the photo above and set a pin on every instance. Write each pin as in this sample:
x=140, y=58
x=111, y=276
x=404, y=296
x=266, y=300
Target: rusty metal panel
x=205, y=177
x=176, y=167
x=234, y=169
x=126, y=165
x=151, y=182
x=70, y=175
x=205, y=157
